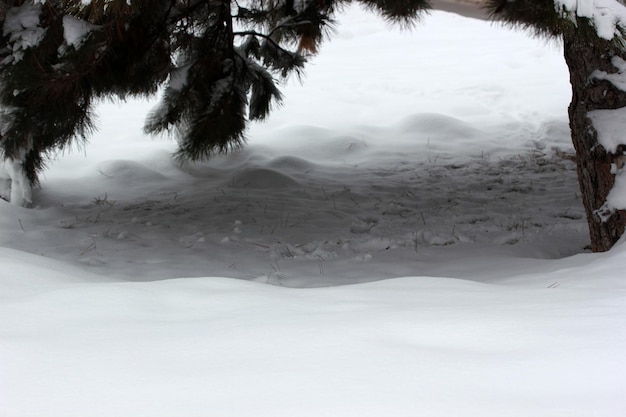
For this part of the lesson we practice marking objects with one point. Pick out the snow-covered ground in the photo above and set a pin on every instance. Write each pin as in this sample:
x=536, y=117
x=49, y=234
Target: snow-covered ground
x=438, y=157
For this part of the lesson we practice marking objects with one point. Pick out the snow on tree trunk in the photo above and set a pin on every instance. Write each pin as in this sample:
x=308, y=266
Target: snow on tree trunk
x=598, y=136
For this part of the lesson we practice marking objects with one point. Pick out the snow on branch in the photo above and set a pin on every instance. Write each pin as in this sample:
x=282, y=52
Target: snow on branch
x=607, y=16
x=21, y=25
x=75, y=31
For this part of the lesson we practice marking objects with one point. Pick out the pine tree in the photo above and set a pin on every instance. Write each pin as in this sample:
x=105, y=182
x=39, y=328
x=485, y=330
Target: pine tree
x=217, y=63
x=593, y=41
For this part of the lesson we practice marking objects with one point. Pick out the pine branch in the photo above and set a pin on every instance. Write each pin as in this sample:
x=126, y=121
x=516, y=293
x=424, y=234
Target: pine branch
x=402, y=12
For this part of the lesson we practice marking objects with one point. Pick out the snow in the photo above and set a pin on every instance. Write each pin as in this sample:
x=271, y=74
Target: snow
x=14, y=185
x=608, y=16
x=20, y=18
x=21, y=25
x=609, y=123
x=617, y=78
x=403, y=237
x=178, y=78
x=616, y=200
x=76, y=30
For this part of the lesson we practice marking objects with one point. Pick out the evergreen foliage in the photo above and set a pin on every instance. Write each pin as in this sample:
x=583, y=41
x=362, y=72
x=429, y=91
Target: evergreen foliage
x=217, y=62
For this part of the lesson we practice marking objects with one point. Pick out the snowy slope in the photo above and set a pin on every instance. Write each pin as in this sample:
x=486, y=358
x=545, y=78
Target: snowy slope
x=219, y=347
x=434, y=162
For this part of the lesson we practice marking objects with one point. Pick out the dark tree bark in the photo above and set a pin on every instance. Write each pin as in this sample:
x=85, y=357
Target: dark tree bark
x=593, y=161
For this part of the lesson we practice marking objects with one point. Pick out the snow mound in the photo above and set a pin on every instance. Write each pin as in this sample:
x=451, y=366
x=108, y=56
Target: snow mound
x=205, y=343
x=262, y=178
x=292, y=164
x=438, y=126
x=28, y=275
x=131, y=172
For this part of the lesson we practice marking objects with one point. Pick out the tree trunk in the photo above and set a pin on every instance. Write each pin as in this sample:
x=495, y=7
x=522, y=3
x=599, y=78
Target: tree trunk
x=594, y=163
